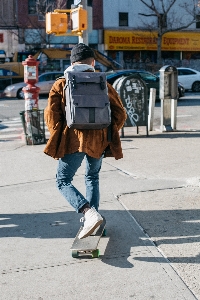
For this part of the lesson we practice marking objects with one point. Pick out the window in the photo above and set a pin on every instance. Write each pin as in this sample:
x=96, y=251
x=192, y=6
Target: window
x=148, y=77
x=40, y=7
x=70, y=3
x=56, y=76
x=22, y=56
x=123, y=19
x=186, y=72
x=32, y=7
x=89, y=2
x=1, y=37
x=197, y=21
x=41, y=18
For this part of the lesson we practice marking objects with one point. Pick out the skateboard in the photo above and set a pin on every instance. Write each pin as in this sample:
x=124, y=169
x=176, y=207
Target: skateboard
x=88, y=245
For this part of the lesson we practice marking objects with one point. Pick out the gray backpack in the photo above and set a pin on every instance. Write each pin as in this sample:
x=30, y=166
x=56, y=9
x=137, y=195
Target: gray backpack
x=87, y=102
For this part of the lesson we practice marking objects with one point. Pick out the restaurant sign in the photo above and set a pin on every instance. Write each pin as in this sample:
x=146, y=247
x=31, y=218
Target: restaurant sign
x=144, y=40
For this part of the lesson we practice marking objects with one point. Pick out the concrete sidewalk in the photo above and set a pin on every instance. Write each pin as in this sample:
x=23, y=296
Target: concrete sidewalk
x=150, y=200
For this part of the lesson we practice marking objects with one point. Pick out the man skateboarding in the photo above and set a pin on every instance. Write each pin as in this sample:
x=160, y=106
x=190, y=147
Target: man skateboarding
x=70, y=146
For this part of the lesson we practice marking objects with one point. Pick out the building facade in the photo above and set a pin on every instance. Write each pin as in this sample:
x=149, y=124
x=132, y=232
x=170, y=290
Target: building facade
x=131, y=32
x=124, y=30
x=8, y=29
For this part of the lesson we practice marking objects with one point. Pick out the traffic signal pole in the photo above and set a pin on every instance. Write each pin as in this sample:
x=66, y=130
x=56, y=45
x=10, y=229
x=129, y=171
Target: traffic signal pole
x=84, y=37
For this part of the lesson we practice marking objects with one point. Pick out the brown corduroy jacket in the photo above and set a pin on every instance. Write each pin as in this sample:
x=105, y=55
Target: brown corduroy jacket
x=64, y=140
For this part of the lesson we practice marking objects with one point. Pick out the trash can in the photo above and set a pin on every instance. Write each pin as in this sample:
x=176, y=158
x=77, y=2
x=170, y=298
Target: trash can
x=133, y=93
x=34, y=127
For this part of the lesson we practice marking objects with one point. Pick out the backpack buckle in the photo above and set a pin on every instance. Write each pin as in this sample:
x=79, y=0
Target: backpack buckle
x=74, y=85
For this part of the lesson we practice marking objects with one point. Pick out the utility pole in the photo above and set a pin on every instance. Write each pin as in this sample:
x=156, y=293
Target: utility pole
x=84, y=37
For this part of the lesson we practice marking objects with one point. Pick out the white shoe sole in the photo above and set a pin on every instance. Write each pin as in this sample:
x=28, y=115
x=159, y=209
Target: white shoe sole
x=90, y=231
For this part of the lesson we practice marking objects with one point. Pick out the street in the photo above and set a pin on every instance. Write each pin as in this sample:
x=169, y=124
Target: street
x=10, y=107
x=11, y=127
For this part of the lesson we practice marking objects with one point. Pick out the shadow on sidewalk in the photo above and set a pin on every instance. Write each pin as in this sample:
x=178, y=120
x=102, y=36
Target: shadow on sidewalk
x=171, y=231
x=170, y=227
x=168, y=135
x=65, y=225
x=39, y=225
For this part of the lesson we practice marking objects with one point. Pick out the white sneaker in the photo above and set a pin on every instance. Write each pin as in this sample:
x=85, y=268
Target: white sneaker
x=92, y=220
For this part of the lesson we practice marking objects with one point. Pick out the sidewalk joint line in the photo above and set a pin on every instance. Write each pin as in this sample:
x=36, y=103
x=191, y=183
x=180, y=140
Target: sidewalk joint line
x=153, y=190
x=148, y=238
x=26, y=182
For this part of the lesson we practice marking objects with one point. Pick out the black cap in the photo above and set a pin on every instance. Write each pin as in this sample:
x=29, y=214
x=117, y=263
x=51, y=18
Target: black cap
x=80, y=52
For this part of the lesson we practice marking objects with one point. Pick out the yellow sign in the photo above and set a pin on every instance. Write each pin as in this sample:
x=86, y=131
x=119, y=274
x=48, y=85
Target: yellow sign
x=144, y=40
x=181, y=41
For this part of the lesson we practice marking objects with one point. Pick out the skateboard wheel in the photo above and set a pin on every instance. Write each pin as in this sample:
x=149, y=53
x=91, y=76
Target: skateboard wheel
x=95, y=253
x=74, y=254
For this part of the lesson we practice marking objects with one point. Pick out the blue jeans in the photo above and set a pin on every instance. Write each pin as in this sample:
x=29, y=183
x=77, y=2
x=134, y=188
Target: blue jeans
x=67, y=167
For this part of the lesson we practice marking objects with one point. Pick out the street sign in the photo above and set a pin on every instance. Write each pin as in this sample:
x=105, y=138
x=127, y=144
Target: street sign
x=77, y=2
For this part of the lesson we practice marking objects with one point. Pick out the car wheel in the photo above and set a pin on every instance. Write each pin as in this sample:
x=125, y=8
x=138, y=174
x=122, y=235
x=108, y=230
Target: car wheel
x=20, y=94
x=196, y=86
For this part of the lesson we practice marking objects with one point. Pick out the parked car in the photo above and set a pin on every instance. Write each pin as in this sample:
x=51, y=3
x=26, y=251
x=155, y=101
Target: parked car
x=190, y=78
x=151, y=80
x=45, y=82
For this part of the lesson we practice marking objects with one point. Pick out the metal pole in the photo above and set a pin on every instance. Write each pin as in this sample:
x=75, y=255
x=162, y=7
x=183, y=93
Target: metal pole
x=174, y=113
x=152, y=100
x=84, y=37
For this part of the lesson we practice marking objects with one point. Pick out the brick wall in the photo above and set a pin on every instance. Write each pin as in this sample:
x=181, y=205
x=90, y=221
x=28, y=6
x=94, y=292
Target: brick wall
x=25, y=20
x=97, y=14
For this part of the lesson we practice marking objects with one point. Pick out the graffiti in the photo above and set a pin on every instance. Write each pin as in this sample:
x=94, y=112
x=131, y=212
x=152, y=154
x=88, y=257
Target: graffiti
x=133, y=96
x=130, y=110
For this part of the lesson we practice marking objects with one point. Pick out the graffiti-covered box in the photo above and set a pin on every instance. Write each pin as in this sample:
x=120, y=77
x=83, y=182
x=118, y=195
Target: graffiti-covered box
x=133, y=93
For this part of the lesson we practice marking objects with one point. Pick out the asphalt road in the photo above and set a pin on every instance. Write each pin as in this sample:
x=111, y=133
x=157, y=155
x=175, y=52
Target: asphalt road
x=10, y=107
x=187, y=112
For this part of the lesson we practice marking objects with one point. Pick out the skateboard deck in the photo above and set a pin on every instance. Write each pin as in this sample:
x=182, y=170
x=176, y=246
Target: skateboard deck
x=88, y=245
